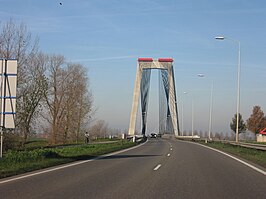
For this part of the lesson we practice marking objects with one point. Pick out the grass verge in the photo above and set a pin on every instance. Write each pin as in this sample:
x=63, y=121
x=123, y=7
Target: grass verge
x=253, y=155
x=18, y=162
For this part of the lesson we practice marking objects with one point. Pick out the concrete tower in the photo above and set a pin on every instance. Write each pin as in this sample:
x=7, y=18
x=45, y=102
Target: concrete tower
x=142, y=82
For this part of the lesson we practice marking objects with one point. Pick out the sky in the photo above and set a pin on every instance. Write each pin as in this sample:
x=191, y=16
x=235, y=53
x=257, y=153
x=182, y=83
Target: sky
x=108, y=36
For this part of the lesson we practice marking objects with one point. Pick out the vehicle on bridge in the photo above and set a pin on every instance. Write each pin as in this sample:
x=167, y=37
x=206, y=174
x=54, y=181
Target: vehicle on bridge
x=159, y=135
x=153, y=135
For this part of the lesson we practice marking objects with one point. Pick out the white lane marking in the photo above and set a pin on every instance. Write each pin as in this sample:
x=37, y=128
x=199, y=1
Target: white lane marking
x=157, y=167
x=168, y=154
x=170, y=144
x=70, y=165
x=241, y=161
x=171, y=149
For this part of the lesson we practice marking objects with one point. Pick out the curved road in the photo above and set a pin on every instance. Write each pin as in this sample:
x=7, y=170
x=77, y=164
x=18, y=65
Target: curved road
x=158, y=169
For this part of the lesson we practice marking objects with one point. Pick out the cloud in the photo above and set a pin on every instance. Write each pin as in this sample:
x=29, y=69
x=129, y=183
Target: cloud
x=104, y=58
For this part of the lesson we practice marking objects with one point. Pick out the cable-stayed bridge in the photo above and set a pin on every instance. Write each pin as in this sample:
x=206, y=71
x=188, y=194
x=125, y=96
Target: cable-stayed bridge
x=168, y=113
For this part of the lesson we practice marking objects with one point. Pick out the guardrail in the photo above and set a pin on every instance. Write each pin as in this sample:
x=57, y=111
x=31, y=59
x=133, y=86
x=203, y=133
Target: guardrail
x=243, y=144
x=249, y=145
x=137, y=138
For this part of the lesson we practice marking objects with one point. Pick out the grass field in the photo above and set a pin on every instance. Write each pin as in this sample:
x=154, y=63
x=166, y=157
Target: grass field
x=252, y=155
x=17, y=162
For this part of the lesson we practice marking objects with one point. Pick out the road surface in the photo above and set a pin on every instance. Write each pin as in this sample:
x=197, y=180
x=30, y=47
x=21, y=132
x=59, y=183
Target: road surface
x=158, y=169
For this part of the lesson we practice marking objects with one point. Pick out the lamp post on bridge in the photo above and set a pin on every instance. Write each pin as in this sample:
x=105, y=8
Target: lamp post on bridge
x=182, y=114
x=211, y=103
x=238, y=82
x=192, y=122
x=192, y=115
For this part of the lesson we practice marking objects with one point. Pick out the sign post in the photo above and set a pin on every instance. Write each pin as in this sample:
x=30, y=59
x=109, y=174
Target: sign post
x=8, y=87
x=2, y=136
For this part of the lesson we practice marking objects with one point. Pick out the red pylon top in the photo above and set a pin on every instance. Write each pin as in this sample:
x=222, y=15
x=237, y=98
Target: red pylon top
x=165, y=60
x=145, y=59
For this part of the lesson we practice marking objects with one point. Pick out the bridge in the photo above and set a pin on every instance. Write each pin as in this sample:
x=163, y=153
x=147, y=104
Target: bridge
x=168, y=113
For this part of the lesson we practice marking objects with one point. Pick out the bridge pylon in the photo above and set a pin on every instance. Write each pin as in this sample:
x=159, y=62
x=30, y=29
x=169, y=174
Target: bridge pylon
x=168, y=117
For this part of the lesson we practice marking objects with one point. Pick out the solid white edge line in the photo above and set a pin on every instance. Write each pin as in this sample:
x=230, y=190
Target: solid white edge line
x=70, y=165
x=157, y=167
x=241, y=161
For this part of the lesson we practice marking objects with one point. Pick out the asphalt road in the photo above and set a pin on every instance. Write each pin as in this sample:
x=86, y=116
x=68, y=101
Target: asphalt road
x=190, y=171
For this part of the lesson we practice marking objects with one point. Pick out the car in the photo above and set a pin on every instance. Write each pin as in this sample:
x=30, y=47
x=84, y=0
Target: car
x=153, y=135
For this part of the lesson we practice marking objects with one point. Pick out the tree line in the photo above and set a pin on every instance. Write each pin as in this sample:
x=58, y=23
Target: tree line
x=255, y=123
x=52, y=93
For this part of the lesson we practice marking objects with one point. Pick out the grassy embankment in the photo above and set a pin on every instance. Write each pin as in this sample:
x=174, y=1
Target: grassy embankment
x=253, y=155
x=32, y=158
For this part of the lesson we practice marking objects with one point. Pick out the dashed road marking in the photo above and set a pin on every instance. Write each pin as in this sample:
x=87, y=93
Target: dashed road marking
x=170, y=144
x=157, y=167
x=171, y=149
x=168, y=154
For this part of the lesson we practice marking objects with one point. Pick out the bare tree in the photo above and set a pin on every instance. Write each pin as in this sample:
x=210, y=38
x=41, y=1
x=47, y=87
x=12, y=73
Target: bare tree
x=16, y=43
x=200, y=133
x=205, y=134
x=79, y=100
x=99, y=129
x=56, y=94
x=49, y=81
x=218, y=136
x=68, y=99
x=226, y=136
x=31, y=94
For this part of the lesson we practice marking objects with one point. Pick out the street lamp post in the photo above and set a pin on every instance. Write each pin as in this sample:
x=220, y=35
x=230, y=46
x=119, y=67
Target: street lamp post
x=238, y=82
x=192, y=115
x=210, y=119
x=192, y=127
x=211, y=102
x=183, y=114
